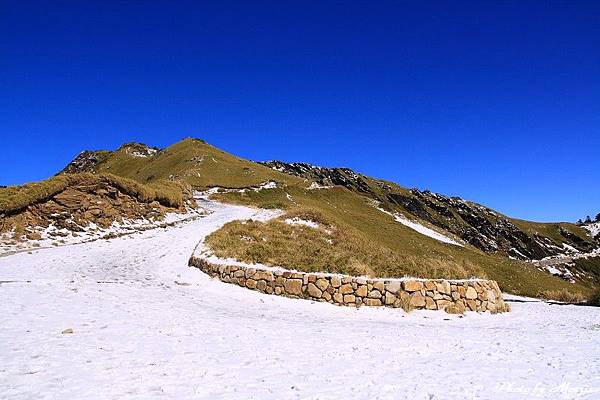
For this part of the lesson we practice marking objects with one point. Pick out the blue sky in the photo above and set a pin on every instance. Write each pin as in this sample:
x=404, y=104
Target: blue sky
x=496, y=102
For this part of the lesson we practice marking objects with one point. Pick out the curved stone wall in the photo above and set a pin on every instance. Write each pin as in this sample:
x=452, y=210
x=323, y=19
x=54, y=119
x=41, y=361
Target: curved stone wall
x=454, y=296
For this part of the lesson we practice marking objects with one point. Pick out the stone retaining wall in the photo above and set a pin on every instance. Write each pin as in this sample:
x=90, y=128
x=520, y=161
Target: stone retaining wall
x=456, y=296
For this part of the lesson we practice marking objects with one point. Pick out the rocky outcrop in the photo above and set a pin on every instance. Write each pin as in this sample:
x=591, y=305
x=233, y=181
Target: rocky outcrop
x=436, y=294
x=88, y=161
x=324, y=176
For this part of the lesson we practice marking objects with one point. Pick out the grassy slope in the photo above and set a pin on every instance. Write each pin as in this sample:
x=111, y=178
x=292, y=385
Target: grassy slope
x=550, y=230
x=399, y=250
x=194, y=162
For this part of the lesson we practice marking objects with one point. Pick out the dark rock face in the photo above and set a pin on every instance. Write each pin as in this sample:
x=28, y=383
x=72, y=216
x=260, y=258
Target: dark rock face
x=477, y=225
x=86, y=161
x=324, y=176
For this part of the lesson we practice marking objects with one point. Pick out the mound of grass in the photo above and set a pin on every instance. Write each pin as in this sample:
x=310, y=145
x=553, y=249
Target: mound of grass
x=16, y=198
x=332, y=247
x=563, y=295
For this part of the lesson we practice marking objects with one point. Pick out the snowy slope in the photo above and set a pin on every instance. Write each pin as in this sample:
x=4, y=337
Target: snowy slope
x=423, y=230
x=147, y=326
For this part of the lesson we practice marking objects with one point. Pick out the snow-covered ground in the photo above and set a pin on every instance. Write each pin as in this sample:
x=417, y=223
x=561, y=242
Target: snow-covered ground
x=147, y=326
x=54, y=236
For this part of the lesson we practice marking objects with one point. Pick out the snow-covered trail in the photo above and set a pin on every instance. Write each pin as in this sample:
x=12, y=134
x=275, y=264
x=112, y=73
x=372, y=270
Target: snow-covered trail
x=145, y=325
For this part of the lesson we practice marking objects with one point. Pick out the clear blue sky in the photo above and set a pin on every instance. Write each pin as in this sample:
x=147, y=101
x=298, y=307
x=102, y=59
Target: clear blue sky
x=496, y=102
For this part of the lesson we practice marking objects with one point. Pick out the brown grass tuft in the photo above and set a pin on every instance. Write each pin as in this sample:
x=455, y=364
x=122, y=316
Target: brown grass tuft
x=562, y=295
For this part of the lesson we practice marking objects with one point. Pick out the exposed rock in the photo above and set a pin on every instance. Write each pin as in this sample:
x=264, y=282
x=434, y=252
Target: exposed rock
x=389, y=298
x=361, y=291
x=477, y=225
x=487, y=295
x=346, y=288
x=471, y=293
x=430, y=303
x=322, y=284
x=349, y=298
x=412, y=286
x=373, y=302
x=313, y=290
x=393, y=286
x=417, y=300
x=336, y=281
x=293, y=286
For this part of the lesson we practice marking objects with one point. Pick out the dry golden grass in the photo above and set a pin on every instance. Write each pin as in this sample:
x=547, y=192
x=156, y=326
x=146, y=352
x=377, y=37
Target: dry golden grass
x=400, y=250
x=405, y=304
x=458, y=308
x=195, y=162
x=562, y=295
x=332, y=247
x=16, y=198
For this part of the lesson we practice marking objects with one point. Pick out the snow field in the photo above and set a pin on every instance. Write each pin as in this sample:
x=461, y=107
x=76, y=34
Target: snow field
x=147, y=326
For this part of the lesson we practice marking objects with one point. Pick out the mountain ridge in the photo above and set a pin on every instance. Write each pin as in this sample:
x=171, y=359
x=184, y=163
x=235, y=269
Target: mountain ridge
x=382, y=215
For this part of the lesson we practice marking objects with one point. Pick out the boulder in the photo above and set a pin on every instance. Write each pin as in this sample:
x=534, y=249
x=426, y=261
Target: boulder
x=393, y=286
x=443, y=287
x=389, y=298
x=313, y=291
x=373, y=302
x=361, y=291
x=471, y=293
x=346, y=288
x=261, y=285
x=322, y=284
x=430, y=303
x=349, y=298
x=293, y=286
x=417, y=300
x=412, y=286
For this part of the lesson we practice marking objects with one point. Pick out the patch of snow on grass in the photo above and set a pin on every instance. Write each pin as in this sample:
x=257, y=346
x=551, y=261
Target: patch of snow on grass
x=300, y=221
x=421, y=228
x=570, y=249
x=267, y=185
x=593, y=229
x=316, y=186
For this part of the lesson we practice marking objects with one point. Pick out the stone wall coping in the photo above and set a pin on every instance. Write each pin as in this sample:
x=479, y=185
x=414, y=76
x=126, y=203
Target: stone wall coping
x=456, y=296
x=203, y=254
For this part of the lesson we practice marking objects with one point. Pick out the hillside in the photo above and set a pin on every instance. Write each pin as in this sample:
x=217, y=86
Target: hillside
x=190, y=160
x=477, y=225
x=342, y=221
